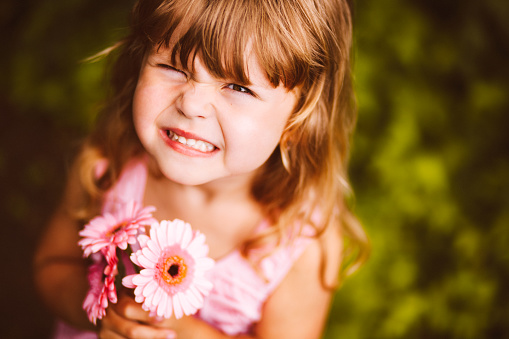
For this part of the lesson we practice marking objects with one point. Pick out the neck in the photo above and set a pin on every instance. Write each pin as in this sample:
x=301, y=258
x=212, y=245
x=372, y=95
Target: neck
x=224, y=210
x=235, y=188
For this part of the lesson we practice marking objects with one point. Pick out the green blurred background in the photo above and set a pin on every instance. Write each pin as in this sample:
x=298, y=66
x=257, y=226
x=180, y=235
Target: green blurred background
x=430, y=163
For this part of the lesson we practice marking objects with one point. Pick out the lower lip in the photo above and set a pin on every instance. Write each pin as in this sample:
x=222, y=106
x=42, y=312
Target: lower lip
x=183, y=149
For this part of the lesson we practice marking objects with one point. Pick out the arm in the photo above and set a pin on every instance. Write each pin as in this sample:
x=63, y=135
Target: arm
x=297, y=309
x=127, y=319
x=60, y=270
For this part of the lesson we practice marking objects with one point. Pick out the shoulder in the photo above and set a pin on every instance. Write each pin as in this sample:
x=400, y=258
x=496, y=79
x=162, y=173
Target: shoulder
x=323, y=249
x=321, y=258
x=282, y=316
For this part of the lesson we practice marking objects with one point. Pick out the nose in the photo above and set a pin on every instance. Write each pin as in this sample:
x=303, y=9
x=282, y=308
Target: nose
x=196, y=100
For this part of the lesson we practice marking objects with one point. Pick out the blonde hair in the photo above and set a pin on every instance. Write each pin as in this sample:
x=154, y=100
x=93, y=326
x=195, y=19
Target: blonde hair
x=303, y=44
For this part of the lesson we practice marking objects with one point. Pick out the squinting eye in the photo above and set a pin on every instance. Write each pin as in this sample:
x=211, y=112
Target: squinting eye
x=239, y=88
x=171, y=68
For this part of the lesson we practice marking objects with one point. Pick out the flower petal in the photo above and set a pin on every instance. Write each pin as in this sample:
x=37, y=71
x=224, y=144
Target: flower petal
x=128, y=281
x=204, y=264
x=146, y=263
x=142, y=239
x=139, y=298
x=157, y=297
x=162, y=306
x=150, y=255
x=149, y=302
x=177, y=308
x=154, y=247
x=162, y=236
x=148, y=272
x=203, y=285
x=194, y=297
x=198, y=246
x=149, y=289
x=179, y=229
x=134, y=257
x=187, y=236
x=139, y=280
x=186, y=305
x=171, y=235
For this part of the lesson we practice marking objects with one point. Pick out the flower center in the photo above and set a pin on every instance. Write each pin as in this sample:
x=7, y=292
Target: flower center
x=118, y=227
x=174, y=270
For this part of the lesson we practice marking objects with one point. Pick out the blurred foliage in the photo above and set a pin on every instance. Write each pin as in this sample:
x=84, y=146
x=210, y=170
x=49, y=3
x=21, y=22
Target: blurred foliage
x=431, y=170
x=48, y=97
x=430, y=162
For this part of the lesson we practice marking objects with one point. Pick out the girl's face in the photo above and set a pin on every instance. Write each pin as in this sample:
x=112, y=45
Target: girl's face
x=199, y=128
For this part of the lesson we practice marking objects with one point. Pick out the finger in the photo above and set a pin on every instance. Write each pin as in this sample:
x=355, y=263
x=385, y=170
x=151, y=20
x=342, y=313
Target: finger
x=109, y=334
x=128, y=308
x=106, y=333
x=116, y=326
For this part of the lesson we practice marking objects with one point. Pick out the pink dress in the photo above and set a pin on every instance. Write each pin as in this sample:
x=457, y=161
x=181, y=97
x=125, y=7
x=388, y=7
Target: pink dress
x=235, y=303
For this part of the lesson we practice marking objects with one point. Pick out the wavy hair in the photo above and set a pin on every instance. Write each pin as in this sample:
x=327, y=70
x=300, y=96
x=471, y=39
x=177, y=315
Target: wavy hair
x=303, y=44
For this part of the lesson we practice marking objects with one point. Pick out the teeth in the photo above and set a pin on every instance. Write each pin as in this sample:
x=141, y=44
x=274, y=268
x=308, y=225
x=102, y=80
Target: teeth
x=196, y=144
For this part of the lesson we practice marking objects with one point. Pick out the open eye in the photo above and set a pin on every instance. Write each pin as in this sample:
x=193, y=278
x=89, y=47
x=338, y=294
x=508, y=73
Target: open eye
x=241, y=89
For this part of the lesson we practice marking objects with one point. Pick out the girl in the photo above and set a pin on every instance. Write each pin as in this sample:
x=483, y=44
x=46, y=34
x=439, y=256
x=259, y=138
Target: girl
x=234, y=116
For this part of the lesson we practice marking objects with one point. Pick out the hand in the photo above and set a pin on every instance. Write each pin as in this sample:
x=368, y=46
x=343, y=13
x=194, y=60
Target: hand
x=126, y=319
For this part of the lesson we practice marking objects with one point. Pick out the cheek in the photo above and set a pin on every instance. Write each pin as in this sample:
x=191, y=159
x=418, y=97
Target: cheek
x=143, y=108
x=144, y=99
x=151, y=96
x=138, y=109
x=250, y=146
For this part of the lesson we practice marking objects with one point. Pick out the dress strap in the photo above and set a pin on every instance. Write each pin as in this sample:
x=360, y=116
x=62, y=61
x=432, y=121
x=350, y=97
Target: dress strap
x=130, y=186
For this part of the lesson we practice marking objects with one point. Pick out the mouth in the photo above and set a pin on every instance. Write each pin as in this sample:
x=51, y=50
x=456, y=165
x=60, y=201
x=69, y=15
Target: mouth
x=199, y=145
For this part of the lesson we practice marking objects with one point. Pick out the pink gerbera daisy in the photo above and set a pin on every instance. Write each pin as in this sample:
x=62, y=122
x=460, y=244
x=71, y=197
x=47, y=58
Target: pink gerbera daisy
x=107, y=231
x=175, y=260
x=101, y=278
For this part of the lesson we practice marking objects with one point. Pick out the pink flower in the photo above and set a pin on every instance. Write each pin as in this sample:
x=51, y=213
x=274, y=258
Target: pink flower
x=107, y=231
x=101, y=278
x=175, y=261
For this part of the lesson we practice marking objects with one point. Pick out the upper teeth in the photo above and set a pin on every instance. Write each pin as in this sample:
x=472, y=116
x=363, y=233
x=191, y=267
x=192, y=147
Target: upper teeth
x=193, y=143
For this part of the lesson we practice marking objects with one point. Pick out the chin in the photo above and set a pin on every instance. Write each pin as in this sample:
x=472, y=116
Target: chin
x=186, y=178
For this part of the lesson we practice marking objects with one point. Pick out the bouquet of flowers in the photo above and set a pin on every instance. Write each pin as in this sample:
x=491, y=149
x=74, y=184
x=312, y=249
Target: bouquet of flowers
x=170, y=262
